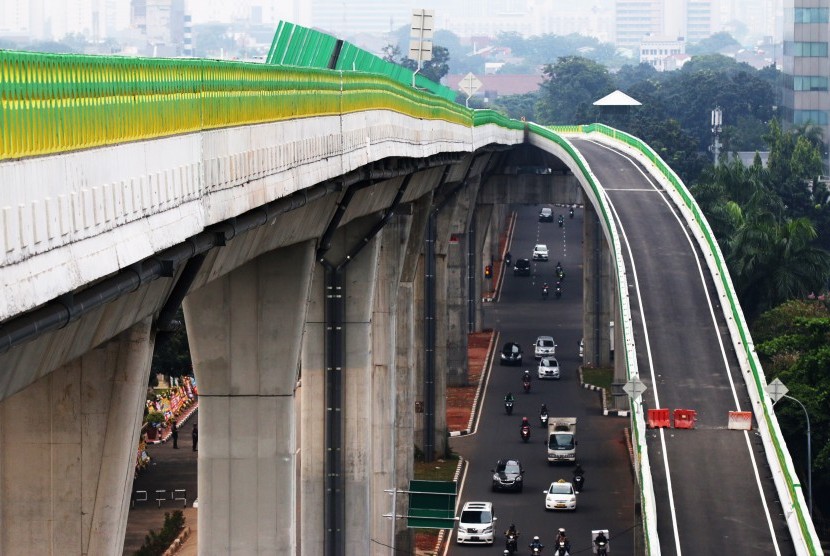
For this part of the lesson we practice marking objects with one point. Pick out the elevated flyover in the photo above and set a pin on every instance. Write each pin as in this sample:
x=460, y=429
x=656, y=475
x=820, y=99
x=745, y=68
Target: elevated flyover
x=321, y=229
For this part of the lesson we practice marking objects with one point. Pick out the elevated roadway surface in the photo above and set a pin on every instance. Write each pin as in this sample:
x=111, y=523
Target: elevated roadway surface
x=714, y=494
x=520, y=315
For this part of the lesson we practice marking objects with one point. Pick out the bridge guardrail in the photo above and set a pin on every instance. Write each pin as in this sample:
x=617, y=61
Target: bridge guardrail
x=784, y=474
x=597, y=196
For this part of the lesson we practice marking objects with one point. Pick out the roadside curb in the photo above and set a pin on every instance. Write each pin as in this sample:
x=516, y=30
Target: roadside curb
x=443, y=532
x=485, y=372
x=605, y=411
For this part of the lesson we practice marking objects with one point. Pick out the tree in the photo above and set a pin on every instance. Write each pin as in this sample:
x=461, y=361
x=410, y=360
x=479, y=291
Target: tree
x=518, y=106
x=713, y=44
x=775, y=260
x=570, y=86
x=433, y=69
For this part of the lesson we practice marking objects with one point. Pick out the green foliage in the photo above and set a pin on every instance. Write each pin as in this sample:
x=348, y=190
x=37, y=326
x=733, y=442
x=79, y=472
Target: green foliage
x=570, y=87
x=713, y=44
x=172, y=351
x=793, y=342
x=156, y=544
x=518, y=106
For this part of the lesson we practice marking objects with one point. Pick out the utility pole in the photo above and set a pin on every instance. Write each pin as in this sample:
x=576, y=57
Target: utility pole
x=717, y=123
x=420, y=38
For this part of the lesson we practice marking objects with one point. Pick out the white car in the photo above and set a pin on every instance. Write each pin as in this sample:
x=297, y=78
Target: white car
x=548, y=368
x=560, y=495
x=476, y=524
x=544, y=346
x=540, y=252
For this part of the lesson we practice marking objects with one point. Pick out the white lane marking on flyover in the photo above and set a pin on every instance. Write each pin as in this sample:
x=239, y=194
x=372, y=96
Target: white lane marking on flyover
x=672, y=509
x=720, y=340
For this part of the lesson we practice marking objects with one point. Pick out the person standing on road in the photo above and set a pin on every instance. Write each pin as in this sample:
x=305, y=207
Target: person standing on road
x=175, y=434
x=195, y=435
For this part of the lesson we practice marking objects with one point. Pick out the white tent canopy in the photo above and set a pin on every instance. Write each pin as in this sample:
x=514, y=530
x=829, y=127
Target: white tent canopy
x=617, y=98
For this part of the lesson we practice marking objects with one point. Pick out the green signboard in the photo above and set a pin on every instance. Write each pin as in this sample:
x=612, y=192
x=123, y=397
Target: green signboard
x=431, y=504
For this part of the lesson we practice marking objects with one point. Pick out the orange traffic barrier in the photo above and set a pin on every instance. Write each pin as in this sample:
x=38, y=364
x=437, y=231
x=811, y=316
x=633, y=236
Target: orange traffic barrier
x=684, y=418
x=658, y=418
x=740, y=420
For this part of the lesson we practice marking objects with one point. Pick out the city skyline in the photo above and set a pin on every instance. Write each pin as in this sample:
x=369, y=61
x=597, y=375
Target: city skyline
x=98, y=20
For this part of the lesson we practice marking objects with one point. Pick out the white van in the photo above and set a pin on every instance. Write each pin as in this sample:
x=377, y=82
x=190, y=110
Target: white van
x=476, y=524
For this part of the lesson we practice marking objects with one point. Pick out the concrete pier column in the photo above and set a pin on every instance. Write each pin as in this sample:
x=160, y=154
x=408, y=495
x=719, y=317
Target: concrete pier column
x=599, y=289
x=462, y=213
x=487, y=254
x=245, y=331
x=68, y=451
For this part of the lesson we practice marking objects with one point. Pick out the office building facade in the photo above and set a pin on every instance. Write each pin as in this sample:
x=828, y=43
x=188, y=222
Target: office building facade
x=806, y=73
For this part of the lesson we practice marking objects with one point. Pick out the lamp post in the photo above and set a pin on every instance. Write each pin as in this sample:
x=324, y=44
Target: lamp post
x=776, y=391
x=809, y=458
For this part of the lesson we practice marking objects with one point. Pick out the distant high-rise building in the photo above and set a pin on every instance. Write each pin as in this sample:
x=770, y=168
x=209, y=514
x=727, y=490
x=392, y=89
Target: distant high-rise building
x=162, y=22
x=342, y=18
x=806, y=94
x=693, y=20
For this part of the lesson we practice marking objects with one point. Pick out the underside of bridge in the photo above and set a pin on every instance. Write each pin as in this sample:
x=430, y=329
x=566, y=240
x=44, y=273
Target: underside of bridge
x=324, y=328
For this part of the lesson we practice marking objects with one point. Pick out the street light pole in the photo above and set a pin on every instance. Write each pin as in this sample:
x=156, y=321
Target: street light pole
x=809, y=458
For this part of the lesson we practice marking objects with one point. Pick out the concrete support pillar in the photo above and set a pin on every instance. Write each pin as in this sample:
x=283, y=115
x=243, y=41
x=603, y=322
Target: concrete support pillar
x=68, y=451
x=487, y=254
x=245, y=331
x=409, y=356
x=457, y=285
x=361, y=403
x=599, y=297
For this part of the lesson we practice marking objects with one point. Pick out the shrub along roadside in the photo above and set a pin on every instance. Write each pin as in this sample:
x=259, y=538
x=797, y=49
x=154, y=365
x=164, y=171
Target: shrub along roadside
x=156, y=544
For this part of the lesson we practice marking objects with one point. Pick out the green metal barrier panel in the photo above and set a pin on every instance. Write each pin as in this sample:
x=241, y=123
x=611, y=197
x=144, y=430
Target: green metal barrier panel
x=52, y=103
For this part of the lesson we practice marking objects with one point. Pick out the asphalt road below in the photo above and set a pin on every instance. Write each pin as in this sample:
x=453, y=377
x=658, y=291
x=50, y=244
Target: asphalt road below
x=608, y=499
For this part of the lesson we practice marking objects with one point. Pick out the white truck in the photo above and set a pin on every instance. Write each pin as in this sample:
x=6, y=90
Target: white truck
x=561, y=439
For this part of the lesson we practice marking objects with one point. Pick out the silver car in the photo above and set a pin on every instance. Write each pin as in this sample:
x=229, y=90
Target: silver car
x=548, y=368
x=544, y=346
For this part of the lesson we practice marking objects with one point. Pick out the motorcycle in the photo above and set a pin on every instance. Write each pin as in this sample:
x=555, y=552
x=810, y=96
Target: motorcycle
x=511, y=544
x=507, y=260
x=526, y=384
x=508, y=407
x=543, y=418
x=561, y=549
x=558, y=292
x=525, y=432
x=571, y=212
x=544, y=292
x=602, y=548
x=535, y=551
x=561, y=221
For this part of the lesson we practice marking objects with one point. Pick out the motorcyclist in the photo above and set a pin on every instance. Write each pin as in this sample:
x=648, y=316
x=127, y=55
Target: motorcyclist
x=509, y=397
x=561, y=537
x=525, y=423
x=579, y=478
x=526, y=377
x=536, y=543
x=512, y=531
x=507, y=258
x=571, y=212
x=558, y=266
x=545, y=289
x=544, y=410
x=600, y=538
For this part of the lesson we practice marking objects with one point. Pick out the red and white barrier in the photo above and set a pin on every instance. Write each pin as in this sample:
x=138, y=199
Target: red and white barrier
x=685, y=418
x=740, y=420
